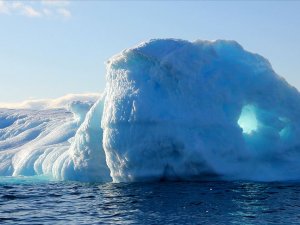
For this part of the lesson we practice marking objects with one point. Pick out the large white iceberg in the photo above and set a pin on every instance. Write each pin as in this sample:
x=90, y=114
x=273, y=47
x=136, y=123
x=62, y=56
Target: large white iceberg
x=172, y=109
x=182, y=110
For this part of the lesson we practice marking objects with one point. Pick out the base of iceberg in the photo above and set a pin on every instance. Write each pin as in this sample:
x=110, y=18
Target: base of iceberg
x=172, y=110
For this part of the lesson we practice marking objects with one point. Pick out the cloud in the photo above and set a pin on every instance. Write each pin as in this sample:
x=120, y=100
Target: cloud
x=64, y=13
x=30, y=12
x=55, y=3
x=3, y=8
x=47, y=12
x=61, y=102
x=45, y=8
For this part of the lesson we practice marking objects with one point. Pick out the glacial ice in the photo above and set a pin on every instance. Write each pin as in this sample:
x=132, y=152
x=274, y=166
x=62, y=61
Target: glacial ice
x=172, y=109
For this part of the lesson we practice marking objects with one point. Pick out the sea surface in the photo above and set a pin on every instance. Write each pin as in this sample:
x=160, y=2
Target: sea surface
x=39, y=201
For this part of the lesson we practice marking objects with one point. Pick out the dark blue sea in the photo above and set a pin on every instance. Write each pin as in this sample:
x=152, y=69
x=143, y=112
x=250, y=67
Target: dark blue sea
x=46, y=202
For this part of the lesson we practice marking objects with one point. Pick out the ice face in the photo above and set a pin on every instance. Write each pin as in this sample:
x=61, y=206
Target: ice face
x=182, y=110
x=33, y=140
x=64, y=144
x=88, y=157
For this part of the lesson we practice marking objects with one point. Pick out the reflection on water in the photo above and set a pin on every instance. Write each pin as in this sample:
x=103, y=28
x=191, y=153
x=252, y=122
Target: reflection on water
x=150, y=203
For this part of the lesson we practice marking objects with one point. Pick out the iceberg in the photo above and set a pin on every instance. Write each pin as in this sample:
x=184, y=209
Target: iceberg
x=176, y=109
x=171, y=110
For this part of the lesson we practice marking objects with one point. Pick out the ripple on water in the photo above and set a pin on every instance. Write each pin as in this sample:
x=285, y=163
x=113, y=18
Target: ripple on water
x=150, y=203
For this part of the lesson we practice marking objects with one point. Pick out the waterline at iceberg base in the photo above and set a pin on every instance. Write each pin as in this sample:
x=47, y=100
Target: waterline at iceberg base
x=171, y=110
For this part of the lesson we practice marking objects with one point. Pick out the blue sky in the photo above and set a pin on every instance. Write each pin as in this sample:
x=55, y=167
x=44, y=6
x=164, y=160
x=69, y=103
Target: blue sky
x=48, y=48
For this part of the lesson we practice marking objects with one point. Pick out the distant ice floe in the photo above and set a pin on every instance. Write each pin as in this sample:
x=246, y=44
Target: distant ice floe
x=62, y=102
x=172, y=109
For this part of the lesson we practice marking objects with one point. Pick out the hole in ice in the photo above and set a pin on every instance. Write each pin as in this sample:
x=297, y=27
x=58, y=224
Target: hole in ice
x=247, y=120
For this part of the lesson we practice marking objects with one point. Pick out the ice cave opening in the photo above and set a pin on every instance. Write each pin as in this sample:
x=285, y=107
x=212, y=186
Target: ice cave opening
x=247, y=120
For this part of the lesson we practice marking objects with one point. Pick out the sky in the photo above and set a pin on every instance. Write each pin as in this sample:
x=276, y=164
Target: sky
x=52, y=48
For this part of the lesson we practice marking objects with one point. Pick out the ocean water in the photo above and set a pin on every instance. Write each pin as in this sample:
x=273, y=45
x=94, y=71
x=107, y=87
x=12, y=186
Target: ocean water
x=39, y=201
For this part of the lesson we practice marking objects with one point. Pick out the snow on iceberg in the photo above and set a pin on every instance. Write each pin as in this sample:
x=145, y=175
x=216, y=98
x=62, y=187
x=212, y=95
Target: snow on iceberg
x=183, y=110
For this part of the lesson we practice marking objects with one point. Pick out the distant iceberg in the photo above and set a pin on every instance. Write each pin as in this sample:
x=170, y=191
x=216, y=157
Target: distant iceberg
x=172, y=110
